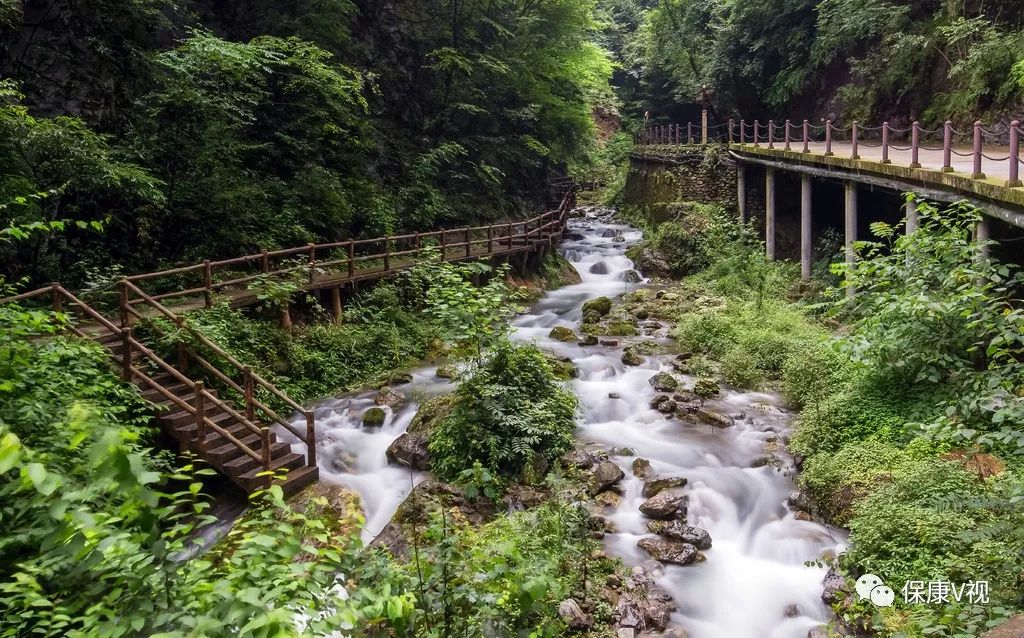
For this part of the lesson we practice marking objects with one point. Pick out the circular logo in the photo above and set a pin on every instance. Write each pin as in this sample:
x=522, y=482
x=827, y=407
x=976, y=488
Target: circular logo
x=866, y=583
x=882, y=596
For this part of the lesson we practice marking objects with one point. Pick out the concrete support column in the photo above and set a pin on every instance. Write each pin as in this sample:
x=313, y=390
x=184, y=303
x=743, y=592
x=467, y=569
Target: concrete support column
x=982, y=233
x=769, y=213
x=911, y=214
x=850, y=188
x=741, y=192
x=806, y=241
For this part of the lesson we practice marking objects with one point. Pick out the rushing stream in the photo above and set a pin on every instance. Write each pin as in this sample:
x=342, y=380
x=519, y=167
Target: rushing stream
x=755, y=572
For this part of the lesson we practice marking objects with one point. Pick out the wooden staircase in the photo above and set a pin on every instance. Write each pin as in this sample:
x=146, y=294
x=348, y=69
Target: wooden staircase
x=227, y=436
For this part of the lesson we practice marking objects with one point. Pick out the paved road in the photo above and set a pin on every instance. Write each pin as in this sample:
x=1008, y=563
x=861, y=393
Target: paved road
x=930, y=157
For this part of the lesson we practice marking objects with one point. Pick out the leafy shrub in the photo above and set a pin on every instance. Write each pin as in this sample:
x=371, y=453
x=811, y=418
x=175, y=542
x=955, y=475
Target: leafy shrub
x=511, y=415
x=813, y=373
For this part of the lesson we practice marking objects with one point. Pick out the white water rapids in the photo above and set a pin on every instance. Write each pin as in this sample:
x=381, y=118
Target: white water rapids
x=755, y=569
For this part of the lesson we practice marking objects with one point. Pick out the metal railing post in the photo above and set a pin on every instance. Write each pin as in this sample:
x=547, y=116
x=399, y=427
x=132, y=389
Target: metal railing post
x=853, y=141
x=915, y=145
x=885, y=143
x=1013, y=180
x=978, y=174
x=947, y=147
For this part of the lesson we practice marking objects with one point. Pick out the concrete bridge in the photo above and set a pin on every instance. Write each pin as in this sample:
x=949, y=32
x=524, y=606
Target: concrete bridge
x=980, y=165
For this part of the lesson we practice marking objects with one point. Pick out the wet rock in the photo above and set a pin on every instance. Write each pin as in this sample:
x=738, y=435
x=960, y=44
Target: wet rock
x=716, y=419
x=680, y=531
x=345, y=462
x=631, y=357
x=768, y=460
x=667, y=407
x=393, y=540
x=601, y=305
x=641, y=314
x=821, y=631
x=652, y=568
x=668, y=551
x=520, y=497
x=605, y=475
x=599, y=268
x=562, y=367
x=653, y=325
x=390, y=398
x=618, y=239
x=608, y=498
x=614, y=395
x=410, y=450
x=641, y=468
x=609, y=232
x=623, y=451
x=400, y=378
x=374, y=417
x=833, y=587
x=629, y=614
x=658, y=400
x=665, y=504
x=669, y=632
x=591, y=317
x=706, y=388
x=653, y=486
x=802, y=516
x=447, y=371
x=631, y=276
x=561, y=333
x=609, y=342
x=574, y=237
x=587, y=340
x=664, y=382
x=580, y=458
x=791, y=611
x=573, y=616
x=799, y=501
x=1012, y=628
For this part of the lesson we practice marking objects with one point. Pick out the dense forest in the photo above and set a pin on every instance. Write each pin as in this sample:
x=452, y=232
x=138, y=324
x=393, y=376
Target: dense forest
x=539, y=443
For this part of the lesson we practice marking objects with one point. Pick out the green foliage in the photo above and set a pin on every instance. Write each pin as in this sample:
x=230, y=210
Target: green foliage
x=511, y=415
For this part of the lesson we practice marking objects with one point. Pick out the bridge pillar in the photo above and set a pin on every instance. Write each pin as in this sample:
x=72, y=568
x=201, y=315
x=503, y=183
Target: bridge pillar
x=741, y=193
x=769, y=213
x=336, y=307
x=982, y=233
x=911, y=214
x=806, y=243
x=850, y=188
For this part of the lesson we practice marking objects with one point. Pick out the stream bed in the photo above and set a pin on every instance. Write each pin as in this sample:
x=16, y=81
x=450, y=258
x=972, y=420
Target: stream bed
x=754, y=583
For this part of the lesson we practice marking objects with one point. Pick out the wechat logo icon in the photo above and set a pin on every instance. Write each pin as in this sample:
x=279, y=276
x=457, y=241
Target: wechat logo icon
x=872, y=588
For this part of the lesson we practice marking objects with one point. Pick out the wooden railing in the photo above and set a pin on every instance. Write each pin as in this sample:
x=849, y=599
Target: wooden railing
x=322, y=265
x=61, y=299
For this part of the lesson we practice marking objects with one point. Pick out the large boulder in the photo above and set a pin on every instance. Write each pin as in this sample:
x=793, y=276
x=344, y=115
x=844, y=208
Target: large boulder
x=680, y=531
x=706, y=388
x=605, y=475
x=716, y=419
x=573, y=616
x=665, y=504
x=374, y=417
x=668, y=551
x=390, y=398
x=600, y=305
x=410, y=450
x=654, y=486
x=650, y=262
x=833, y=587
x=664, y=382
x=631, y=357
x=641, y=468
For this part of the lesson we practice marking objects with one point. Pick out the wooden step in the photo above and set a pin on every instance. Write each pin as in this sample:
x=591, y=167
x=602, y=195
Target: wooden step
x=243, y=463
x=300, y=478
x=180, y=421
x=183, y=392
x=240, y=431
x=249, y=481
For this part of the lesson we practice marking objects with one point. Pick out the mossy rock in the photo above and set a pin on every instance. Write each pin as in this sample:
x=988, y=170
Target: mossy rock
x=706, y=388
x=562, y=367
x=430, y=412
x=664, y=382
x=447, y=371
x=374, y=417
x=631, y=358
x=561, y=333
x=600, y=305
x=591, y=316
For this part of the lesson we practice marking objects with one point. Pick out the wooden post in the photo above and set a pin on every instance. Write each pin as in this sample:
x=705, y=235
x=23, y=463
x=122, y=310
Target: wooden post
x=885, y=143
x=510, y=236
x=947, y=147
x=1014, y=173
x=264, y=261
x=741, y=192
x=310, y=439
x=387, y=254
x=312, y=261
x=250, y=406
x=55, y=298
x=207, y=283
x=444, y=245
x=806, y=239
x=704, y=126
x=978, y=173
x=265, y=453
x=126, y=353
x=490, y=239
x=336, y=306
x=689, y=132
x=351, y=259
x=469, y=246
x=123, y=303
x=200, y=405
